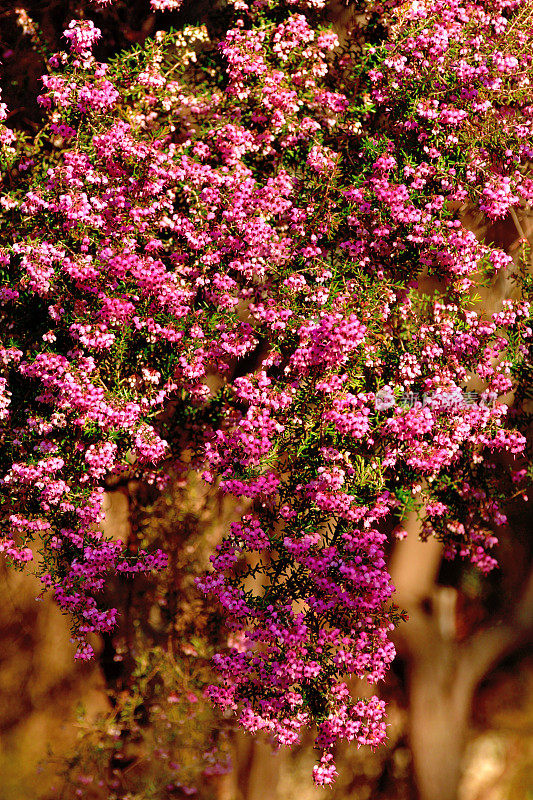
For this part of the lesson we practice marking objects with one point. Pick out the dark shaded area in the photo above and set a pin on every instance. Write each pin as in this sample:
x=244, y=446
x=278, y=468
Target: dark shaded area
x=123, y=23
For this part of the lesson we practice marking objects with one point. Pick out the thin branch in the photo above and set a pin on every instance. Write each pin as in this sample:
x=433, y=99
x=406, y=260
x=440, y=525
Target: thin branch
x=518, y=225
x=490, y=645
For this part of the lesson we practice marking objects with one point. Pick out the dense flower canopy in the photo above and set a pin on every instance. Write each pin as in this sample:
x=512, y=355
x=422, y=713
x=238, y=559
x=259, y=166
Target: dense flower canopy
x=255, y=247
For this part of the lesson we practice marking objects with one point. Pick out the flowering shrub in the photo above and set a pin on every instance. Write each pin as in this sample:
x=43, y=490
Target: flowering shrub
x=235, y=239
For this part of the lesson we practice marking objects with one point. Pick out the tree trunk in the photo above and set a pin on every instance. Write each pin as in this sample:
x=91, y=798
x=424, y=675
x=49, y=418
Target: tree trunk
x=440, y=705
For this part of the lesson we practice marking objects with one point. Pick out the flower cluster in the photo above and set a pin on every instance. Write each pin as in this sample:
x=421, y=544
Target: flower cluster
x=82, y=36
x=246, y=261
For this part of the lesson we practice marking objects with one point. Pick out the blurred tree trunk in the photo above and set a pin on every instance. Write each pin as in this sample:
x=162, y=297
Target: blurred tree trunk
x=439, y=716
x=256, y=770
x=443, y=670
